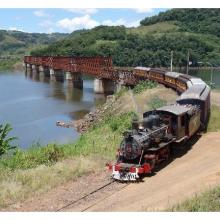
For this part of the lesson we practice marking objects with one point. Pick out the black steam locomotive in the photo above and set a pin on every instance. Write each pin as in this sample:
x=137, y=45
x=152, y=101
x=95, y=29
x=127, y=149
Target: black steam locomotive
x=148, y=143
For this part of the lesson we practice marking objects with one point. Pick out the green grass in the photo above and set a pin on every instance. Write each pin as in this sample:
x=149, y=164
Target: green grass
x=156, y=102
x=208, y=201
x=214, y=120
x=161, y=27
x=144, y=85
x=121, y=92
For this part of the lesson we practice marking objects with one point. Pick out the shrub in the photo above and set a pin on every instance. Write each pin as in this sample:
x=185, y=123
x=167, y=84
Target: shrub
x=143, y=85
x=5, y=142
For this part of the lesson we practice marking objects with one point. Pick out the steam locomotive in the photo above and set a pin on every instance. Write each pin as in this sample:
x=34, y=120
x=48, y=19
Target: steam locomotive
x=149, y=142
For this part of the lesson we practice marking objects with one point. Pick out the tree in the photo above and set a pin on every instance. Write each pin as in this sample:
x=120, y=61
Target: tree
x=5, y=142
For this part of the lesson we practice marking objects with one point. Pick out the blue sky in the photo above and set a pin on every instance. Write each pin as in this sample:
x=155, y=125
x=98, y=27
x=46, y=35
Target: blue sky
x=68, y=20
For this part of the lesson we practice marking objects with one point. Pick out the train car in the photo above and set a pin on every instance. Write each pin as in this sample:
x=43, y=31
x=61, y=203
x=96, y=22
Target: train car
x=185, y=79
x=182, y=83
x=157, y=75
x=170, y=79
x=198, y=94
x=142, y=72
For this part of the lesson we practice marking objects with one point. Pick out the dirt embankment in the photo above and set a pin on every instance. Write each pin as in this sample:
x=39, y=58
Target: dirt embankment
x=125, y=103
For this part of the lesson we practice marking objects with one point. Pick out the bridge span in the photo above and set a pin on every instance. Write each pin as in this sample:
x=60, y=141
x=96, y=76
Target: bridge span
x=107, y=78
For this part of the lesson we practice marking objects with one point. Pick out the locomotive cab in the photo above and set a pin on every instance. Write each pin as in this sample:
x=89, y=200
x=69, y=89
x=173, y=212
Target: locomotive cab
x=182, y=120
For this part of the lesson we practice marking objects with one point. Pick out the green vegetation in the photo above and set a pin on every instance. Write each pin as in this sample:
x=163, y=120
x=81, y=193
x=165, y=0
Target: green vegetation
x=121, y=91
x=206, y=202
x=150, y=44
x=5, y=141
x=6, y=64
x=15, y=44
x=214, y=120
x=156, y=102
x=100, y=140
x=192, y=20
x=144, y=85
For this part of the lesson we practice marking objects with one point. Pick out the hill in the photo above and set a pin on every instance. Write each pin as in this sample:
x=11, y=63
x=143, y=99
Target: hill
x=150, y=44
x=15, y=44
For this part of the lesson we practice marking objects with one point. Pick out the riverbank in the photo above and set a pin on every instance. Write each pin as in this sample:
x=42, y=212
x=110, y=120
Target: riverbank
x=11, y=64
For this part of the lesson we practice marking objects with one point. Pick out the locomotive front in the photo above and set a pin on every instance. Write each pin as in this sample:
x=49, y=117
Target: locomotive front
x=135, y=149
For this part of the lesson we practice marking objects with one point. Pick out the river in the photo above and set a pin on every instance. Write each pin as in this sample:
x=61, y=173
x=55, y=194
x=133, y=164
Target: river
x=32, y=107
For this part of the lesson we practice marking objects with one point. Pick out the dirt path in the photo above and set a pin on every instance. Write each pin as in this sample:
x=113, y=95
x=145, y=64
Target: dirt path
x=186, y=175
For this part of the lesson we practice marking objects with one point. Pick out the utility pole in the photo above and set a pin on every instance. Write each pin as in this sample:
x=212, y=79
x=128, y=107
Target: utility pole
x=187, y=66
x=171, y=62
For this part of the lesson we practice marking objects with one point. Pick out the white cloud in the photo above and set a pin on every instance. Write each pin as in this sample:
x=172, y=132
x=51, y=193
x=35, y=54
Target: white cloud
x=144, y=10
x=121, y=21
x=41, y=13
x=87, y=11
x=77, y=23
x=15, y=29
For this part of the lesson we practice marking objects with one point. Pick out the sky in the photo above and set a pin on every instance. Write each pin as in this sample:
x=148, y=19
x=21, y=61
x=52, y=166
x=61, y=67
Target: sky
x=68, y=20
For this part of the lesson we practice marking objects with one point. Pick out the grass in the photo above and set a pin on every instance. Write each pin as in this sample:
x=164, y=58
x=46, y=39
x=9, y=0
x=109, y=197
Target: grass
x=144, y=85
x=208, y=201
x=214, y=120
x=161, y=27
x=156, y=102
x=121, y=92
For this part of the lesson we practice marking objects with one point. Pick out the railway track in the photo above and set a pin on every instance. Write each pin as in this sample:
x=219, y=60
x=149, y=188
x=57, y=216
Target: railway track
x=87, y=201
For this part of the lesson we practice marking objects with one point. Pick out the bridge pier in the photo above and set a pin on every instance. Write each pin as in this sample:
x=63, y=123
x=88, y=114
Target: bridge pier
x=35, y=68
x=52, y=75
x=102, y=86
x=28, y=67
x=74, y=79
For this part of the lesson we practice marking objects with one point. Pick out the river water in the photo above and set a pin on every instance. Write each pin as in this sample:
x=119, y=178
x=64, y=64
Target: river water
x=32, y=107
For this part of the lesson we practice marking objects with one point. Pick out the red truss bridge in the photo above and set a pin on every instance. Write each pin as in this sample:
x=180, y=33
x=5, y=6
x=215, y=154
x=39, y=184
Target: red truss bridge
x=71, y=68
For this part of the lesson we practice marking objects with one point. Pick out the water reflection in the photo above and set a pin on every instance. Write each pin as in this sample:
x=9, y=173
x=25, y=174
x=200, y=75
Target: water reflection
x=73, y=94
x=32, y=104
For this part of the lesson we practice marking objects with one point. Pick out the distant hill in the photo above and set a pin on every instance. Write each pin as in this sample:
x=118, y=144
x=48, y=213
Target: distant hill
x=150, y=44
x=17, y=42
